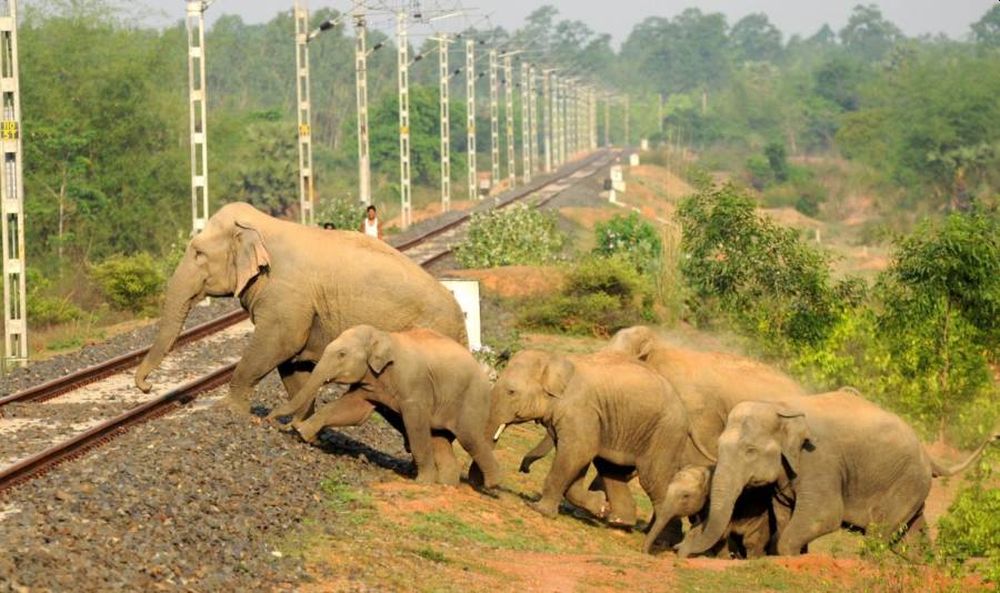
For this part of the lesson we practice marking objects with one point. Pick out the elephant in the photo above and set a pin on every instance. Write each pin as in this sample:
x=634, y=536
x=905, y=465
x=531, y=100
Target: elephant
x=427, y=379
x=602, y=406
x=302, y=286
x=708, y=383
x=834, y=459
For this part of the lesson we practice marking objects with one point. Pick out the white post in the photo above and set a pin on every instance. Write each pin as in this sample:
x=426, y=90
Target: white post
x=533, y=118
x=547, y=120
x=607, y=120
x=361, y=83
x=443, y=81
x=494, y=120
x=593, y=120
x=470, y=115
x=306, y=195
x=508, y=75
x=557, y=134
x=404, y=121
x=198, y=105
x=525, y=125
x=15, y=315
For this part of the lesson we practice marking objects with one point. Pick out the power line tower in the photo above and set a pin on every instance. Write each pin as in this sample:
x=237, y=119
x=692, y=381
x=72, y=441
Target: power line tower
x=470, y=116
x=557, y=133
x=525, y=125
x=494, y=119
x=307, y=198
x=508, y=75
x=198, y=102
x=361, y=84
x=15, y=316
x=593, y=119
x=404, y=120
x=607, y=120
x=444, y=83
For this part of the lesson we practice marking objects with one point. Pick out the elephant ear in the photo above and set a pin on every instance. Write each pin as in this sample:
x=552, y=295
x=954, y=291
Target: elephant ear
x=645, y=347
x=795, y=437
x=249, y=255
x=556, y=375
x=380, y=351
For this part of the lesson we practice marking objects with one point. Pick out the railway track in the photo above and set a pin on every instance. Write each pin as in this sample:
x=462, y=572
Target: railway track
x=426, y=248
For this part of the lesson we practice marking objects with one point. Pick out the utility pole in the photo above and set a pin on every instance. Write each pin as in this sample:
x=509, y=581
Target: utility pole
x=547, y=119
x=15, y=304
x=198, y=102
x=533, y=118
x=361, y=83
x=405, y=205
x=470, y=115
x=494, y=120
x=307, y=198
x=525, y=124
x=627, y=137
x=443, y=82
x=557, y=132
x=593, y=119
x=607, y=120
x=508, y=75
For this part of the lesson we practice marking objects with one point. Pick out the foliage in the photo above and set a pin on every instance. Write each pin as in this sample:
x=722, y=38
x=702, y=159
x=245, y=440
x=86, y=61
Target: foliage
x=129, y=282
x=630, y=235
x=43, y=307
x=515, y=235
x=343, y=213
x=772, y=283
x=601, y=296
x=970, y=528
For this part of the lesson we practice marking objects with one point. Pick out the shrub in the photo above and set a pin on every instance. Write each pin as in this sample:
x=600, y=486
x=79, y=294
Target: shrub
x=601, y=296
x=970, y=528
x=630, y=235
x=345, y=214
x=516, y=235
x=46, y=309
x=129, y=282
x=759, y=172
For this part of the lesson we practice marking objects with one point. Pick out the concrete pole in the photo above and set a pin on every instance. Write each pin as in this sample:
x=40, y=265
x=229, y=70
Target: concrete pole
x=199, y=125
x=15, y=304
x=508, y=75
x=443, y=83
x=306, y=194
x=470, y=116
x=533, y=118
x=405, y=204
x=494, y=119
x=547, y=119
x=525, y=124
x=361, y=83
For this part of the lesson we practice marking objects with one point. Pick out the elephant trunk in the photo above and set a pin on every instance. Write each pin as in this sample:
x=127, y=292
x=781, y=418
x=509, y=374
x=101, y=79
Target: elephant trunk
x=725, y=490
x=185, y=288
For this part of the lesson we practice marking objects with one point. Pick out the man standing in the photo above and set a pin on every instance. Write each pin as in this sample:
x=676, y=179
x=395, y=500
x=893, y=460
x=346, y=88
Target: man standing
x=371, y=225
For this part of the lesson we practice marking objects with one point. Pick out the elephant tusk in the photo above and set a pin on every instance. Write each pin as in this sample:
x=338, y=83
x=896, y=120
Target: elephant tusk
x=496, y=436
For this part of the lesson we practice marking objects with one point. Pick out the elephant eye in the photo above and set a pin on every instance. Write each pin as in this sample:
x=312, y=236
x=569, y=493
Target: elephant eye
x=341, y=354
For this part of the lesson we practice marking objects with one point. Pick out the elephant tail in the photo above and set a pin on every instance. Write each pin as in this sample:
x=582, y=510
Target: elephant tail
x=939, y=471
x=701, y=448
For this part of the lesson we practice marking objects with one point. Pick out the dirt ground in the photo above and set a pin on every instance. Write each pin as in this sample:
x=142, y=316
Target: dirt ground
x=514, y=281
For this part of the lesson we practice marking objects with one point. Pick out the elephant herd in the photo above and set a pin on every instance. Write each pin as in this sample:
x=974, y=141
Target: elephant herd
x=755, y=463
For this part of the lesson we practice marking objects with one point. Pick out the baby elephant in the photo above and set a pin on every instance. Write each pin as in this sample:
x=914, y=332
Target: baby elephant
x=430, y=380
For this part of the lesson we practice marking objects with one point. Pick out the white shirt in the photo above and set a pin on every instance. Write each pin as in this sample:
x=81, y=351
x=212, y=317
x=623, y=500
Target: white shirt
x=371, y=227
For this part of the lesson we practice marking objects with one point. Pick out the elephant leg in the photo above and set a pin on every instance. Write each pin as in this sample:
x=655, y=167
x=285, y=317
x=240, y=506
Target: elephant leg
x=417, y=423
x=540, y=450
x=272, y=344
x=621, y=503
x=915, y=543
x=569, y=465
x=350, y=410
x=588, y=498
x=654, y=481
x=448, y=470
x=481, y=450
x=294, y=376
x=813, y=517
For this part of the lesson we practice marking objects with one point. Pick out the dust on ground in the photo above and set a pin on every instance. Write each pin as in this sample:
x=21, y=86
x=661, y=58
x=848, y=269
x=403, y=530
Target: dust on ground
x=514, y=281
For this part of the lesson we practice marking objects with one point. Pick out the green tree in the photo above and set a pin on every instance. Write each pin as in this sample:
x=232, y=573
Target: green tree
x=986, y=31
x=868, y=34
x=754, y=38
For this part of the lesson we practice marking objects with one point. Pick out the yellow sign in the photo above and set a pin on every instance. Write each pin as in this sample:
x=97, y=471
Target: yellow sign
x=8, y=130
x=303, y=129
x=404, y=130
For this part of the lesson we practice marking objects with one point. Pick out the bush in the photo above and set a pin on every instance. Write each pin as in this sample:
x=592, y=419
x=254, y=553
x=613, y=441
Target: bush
x=630, y=235
x=601, y=296
x=345, y=214
x=45, y=309
x=129, y=282
x=970, y=528
x=516, y=235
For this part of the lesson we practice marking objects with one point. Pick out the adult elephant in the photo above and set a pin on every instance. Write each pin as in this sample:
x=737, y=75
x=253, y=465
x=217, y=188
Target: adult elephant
x=709, y=384
x=302, y=286
x=603, y=406
x=834, y=459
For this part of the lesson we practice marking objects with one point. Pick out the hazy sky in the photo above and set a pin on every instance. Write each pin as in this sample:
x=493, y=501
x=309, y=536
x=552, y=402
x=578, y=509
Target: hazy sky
x=617, y=17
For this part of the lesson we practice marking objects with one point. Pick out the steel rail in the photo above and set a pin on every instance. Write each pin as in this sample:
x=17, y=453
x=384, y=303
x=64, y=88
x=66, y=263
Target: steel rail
x=78, y=445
